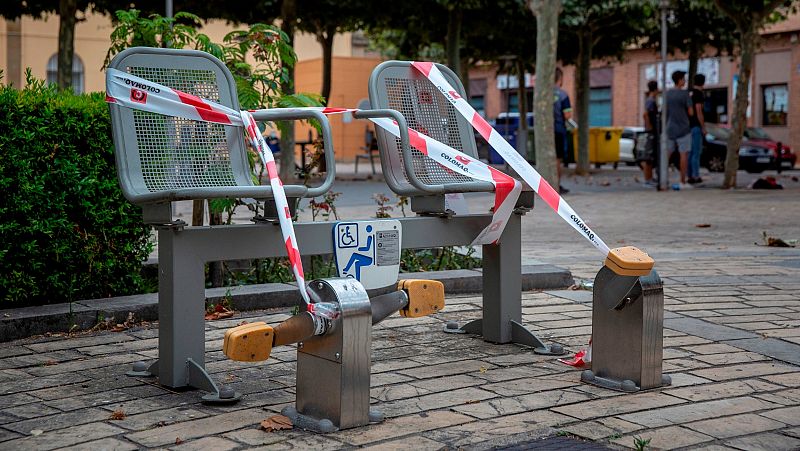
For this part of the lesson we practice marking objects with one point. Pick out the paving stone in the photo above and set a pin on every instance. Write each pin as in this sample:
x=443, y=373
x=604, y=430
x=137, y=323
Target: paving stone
x=206, y=443
x=41, y=359
x=768, y=442
x=410, y=425
x=434, y=401
x=80, y=342
x=100, y=399
x=744, y=370
x=6, y=435
x=35, y=383
x=731, y=358
x=789, y=397
x=619, y=425
x=315, y=442
x=106, y=444
x=491, y=432
x=418, y=443
x=714, y=348
x=85, y=386
x=777, y=349
x=447, y=369
x=511, y=405
x=793, y=432
x=736, y=425
x=64, y=437
x=82, y=365
x=697, y=411
x=591, y=430
x=58, y=421
x=15, y=399
x=30, y=410
x=788, y=415
x=705, y=392
x=189, y=430
x=666, y=438
x=526, y=386
x=612, y=406
x=258, y=437
x=158, y=418
x=786, y=379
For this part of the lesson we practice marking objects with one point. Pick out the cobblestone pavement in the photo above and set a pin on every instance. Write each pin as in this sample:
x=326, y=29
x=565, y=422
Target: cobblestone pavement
x=731, y=337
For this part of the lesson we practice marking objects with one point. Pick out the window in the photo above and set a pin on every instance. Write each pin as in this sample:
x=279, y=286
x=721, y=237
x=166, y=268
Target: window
x=513, y=102
x=77, y=72
x=715, y=109
x=600, y=107
x=775, y=106
x=477, y=102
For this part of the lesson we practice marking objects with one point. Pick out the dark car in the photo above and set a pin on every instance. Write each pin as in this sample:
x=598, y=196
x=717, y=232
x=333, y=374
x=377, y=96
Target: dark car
x=785, y=158
x=752, y=157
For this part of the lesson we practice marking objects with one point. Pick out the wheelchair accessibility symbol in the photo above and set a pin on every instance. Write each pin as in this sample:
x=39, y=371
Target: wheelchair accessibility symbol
x=368, y=251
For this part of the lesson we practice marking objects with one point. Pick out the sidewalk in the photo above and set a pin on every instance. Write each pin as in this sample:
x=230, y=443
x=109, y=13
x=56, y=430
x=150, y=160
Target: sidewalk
x=731, y=345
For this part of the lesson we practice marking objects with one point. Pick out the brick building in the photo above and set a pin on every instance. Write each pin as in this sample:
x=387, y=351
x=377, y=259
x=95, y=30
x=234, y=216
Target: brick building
x=617, y=88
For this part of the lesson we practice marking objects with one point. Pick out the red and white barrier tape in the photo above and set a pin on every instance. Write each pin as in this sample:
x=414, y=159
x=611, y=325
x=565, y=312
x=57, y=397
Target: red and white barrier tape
x=134, y=92
x=510, y=155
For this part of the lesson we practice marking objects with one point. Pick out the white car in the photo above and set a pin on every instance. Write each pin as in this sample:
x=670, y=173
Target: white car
x=627, y=145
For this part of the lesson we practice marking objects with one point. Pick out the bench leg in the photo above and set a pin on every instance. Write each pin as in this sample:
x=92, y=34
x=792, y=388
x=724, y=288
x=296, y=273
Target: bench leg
x=502, y=294
x=181, y=315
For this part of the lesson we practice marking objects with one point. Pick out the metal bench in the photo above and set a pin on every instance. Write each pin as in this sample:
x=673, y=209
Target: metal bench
x=161, y=159
x=398, y=86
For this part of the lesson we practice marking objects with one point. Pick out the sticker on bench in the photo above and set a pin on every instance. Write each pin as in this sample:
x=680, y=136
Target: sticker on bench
x=368, y=251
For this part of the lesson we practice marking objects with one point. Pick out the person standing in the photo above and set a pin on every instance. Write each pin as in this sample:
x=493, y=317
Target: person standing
x=698, y=128
x=562, y=112
x=679, y=132
x=652, y=120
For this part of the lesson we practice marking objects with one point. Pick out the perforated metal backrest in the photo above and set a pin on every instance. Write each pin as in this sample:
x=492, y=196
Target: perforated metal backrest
x=397, y=85
x=159, y=156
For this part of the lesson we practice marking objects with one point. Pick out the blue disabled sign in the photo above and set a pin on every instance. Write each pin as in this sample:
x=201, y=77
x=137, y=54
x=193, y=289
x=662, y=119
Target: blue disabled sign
x=368, y=251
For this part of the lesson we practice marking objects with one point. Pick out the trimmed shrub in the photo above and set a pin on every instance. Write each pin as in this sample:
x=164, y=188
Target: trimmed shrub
x=66, y=231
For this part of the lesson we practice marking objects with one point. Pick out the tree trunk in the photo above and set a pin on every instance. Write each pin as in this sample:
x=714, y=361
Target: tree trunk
x=286, y=171
x=326, y=40
x=66, y=41
x=749, y=41
x=464, y=74
x=546, y=44
x=454, y=19
x=522, y=96
x=693, y=57
x=582, y=88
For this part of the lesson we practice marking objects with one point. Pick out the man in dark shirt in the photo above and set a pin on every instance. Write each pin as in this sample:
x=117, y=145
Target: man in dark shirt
x=649, y=156
x=562, y=112
x=698, y=124
x=678, y=108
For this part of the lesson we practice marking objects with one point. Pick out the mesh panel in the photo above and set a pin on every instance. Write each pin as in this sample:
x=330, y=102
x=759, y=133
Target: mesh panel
x=428, y=112
x=176, y=152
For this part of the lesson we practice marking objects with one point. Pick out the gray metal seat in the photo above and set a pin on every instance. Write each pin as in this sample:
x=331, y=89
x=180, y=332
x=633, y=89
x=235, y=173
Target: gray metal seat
x=162, y=158
x=398, y=86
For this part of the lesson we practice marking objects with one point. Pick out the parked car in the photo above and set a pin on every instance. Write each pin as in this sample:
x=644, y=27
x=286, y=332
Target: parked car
x=752, y=157
x=628, y=143
x=784, y=157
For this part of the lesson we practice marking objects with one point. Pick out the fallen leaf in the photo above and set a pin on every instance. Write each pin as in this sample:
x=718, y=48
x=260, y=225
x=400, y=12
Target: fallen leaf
x=50, y=362
x=276, y=423
x=178, y=440
x=118, y=415
x=219, y=313
x=605, y=183
x=702, y=226
x=483, y=369
x=473, y=401
x=777, y=242
x=36, y=432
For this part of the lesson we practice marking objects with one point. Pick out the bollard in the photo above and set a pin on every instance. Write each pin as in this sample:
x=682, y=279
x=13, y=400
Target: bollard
x=627, y=324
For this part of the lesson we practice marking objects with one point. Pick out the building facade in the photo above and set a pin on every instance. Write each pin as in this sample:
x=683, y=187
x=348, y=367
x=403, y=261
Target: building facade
x=617, y=89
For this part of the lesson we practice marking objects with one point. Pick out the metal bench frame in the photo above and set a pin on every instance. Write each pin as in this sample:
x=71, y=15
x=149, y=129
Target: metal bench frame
x=397, y=85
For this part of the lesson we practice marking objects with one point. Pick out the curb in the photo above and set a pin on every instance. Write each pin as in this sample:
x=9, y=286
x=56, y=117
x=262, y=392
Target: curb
x=27, y=321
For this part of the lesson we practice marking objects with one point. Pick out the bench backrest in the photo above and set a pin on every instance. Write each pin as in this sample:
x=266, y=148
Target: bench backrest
x=397, y=85
x=159, y=156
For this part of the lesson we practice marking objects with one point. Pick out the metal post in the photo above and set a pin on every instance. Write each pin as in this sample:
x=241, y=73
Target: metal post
x=502, y=283
x=181, y=309
x=663, y=160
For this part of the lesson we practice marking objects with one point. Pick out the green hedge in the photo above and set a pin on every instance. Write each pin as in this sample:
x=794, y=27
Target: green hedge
x=66, y=231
